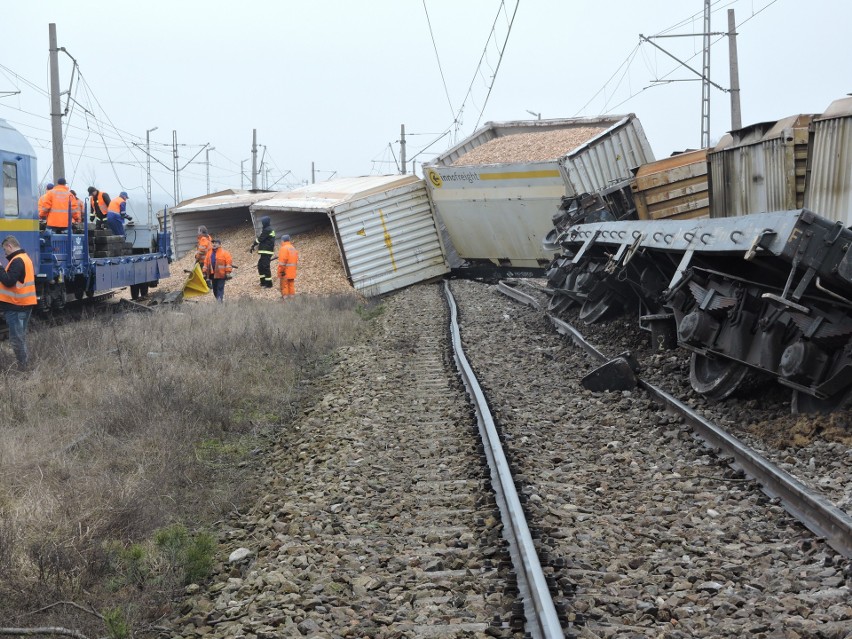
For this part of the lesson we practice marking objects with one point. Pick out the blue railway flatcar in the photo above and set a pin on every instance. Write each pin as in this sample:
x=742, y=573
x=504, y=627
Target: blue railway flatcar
x=79, y=262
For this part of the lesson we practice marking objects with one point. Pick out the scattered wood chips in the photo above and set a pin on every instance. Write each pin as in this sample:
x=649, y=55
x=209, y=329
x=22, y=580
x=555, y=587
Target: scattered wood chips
x=320, y=270
x=536, y=146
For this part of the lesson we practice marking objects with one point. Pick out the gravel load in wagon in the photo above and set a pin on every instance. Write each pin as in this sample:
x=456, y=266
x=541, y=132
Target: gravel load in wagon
x=536, y=146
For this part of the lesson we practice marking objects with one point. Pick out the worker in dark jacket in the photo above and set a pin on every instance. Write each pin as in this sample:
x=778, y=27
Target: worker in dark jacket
x=17, y=296
x=265, y=243
x=98, y=205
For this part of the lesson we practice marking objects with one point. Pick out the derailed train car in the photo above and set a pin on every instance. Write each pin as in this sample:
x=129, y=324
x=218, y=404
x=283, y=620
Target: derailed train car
x=494, y=194
x=79, y=262
x=764, y=291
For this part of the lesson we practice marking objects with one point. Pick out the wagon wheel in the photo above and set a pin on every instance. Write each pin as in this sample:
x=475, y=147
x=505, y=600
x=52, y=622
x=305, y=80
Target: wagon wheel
x=559, y=303
x=598, y=304
x=803, y=403
x=715, y=378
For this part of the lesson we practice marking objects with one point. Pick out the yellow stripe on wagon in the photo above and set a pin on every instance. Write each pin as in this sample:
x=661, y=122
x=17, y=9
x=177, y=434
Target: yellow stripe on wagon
x=7, y=225
x=519, y=175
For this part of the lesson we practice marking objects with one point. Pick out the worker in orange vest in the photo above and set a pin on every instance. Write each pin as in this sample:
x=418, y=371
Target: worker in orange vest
x=43, y=197
x=76, y=208
x=56, y=208
x=117, y=213
x=17, y=296
x=98, y=206
x=288, y=258
x=203, y=245
x=217, y=268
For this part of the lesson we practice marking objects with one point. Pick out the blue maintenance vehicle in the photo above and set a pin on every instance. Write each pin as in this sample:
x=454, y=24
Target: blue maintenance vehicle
x=79, y=261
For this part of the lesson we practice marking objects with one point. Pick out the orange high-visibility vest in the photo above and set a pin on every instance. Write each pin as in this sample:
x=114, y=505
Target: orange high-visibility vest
x=288, y=258
x=101, y=210
x=76, y=209
x=41, y=200
x=23, y=293
x=204, y=244
x=115, y=204
x=56, y=206
x=223, y=264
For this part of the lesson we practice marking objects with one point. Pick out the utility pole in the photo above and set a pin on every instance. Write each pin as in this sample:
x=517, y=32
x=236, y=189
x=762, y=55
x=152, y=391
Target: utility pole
x=175, y=169
x=55, y=112
x=207, y=162
x=254, y=160
x=402, y=147
x=705, y=80
x=313, y=174
x=736, y=115
x=242, y=174
x=148, y=154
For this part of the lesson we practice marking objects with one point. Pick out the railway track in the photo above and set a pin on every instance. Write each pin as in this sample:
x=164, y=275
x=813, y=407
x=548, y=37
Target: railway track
x=808, y=506
x=374, y=515
x=377, y=518
x=646, y=531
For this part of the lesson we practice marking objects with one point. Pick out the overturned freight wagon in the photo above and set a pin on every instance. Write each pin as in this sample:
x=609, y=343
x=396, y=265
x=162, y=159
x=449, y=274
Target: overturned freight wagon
x=672, y=188
x=759, y=168
x=829, y=185
x=383, y=225
x=497, y=191
x=216, y=211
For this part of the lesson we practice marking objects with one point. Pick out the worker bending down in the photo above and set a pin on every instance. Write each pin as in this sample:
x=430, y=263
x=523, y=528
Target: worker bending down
x=98, y=207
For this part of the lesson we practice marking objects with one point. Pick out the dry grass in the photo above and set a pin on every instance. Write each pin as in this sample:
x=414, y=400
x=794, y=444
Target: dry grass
x=132, y=423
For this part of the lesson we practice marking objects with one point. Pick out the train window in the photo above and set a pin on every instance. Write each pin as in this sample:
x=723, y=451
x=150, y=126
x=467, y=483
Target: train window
x=10, y=189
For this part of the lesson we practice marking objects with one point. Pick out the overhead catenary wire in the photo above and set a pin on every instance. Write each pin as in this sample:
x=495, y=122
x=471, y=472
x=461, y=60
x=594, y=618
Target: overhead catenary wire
x=438, y=58
x=633, y=95
x=500, y=9
x=477, y=73
x=632, y=55
x=499, y=61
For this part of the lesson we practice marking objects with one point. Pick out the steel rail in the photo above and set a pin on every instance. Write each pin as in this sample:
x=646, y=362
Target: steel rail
x=542, y=621
x=811, y=509
x=815, y=512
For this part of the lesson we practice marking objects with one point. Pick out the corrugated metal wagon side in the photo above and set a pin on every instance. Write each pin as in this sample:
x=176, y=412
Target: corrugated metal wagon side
x=829, y=189
x=760, y=168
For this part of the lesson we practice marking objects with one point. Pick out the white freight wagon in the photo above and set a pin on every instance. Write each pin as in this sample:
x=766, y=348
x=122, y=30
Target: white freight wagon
x=496, y=192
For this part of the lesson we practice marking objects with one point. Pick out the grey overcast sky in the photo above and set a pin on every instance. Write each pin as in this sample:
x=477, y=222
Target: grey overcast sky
x=331, y=81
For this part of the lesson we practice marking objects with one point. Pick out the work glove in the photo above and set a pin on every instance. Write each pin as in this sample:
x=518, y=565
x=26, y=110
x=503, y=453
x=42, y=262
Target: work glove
x=209, y=282
x=251, y=250
x=228, y=276
x=91, y=218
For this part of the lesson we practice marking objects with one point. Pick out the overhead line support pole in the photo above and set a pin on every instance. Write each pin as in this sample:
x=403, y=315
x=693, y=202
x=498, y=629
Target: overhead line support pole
x=55, y=107
x=736, y=115
x=254, y=160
